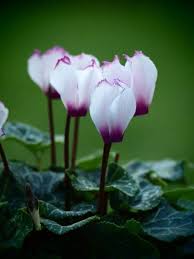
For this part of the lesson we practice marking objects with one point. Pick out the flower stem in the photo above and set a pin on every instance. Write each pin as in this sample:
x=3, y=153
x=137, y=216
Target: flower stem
x=75, y=142
x=52, y=131
x=102, y=203
x=66, y=163
x=4, y=161
x=66, y=141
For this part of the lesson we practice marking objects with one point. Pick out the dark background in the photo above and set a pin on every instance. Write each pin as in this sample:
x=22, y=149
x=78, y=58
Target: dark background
x=163, y=30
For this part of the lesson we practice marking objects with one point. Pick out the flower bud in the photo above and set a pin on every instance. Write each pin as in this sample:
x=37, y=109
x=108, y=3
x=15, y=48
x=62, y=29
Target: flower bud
x=32, y=206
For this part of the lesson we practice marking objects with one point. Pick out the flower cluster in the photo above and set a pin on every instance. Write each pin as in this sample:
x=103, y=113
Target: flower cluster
x=112, y=92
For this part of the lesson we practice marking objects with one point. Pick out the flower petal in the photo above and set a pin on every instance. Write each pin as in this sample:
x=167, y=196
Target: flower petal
x=88, y=79
x=64, y=80
x=83, y=60
x=122, y=111
x=49, y=59
x=35, y=69
x=3, y=116
x=41, y=66
x=116, y=71
x=101, y=100
x=144, y=76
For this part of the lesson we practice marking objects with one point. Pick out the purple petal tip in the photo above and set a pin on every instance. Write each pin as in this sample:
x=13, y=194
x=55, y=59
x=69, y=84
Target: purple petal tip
x=77, y=112
x=116, y=135
x=64, y=59
x=141, y=109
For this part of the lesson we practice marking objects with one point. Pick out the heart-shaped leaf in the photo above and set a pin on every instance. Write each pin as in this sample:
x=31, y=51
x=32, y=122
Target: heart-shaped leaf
x=58, y=229
x=168, y=224
x=16, y=229
x=49, y=211
x=30, y=137
x=110, y=240
x=117, y=179
x=147, y=198
x=45, y=185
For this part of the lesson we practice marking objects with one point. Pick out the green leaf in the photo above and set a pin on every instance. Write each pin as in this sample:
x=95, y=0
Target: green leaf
x=86, y=181
x=93, y=161
x=116, y=242
x=134, y=226
x=58, y=229
x=168, y=224
x=16, y=230
x=186, y=193
x=169, y=170
x=49, y=211
x=46, y=186
x=117, y=179
x=147, y=198
x=30, y=137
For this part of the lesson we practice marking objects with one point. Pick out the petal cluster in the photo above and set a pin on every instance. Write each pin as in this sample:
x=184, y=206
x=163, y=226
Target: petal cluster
x=112, y=107
x=75, y=79
x=3, y=116
x=40, y=67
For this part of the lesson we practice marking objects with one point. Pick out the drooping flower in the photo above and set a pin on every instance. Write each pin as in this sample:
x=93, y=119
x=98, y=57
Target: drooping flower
x=144, y=76
x=75, y=78
x=112, y=107
x=40, y=67
x=3, y=116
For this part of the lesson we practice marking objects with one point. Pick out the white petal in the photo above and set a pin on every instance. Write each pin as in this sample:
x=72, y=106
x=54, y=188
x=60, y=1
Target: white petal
x=3, y=116
x=101, y=100
x=83, y=60
x=87, y=81
x=116, y=71
x=64, y=80
x=35, y=69
x=122, y=111
x=50, y=58
x=144, y=76
x=40, y=66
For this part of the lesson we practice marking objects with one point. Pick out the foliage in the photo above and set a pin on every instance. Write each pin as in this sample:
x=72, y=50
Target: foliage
x=151, y=204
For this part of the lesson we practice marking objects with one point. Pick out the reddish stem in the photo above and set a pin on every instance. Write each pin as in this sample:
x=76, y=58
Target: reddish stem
x=66, y=163
x=52, y=132
x=102, y=203
x=75, y=143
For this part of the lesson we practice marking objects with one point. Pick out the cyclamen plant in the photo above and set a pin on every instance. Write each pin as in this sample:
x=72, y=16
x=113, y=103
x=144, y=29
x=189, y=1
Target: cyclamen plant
x=113, y=92
x=110, y=210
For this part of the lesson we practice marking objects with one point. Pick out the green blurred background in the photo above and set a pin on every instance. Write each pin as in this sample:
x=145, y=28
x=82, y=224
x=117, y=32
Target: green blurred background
x=163, y=30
